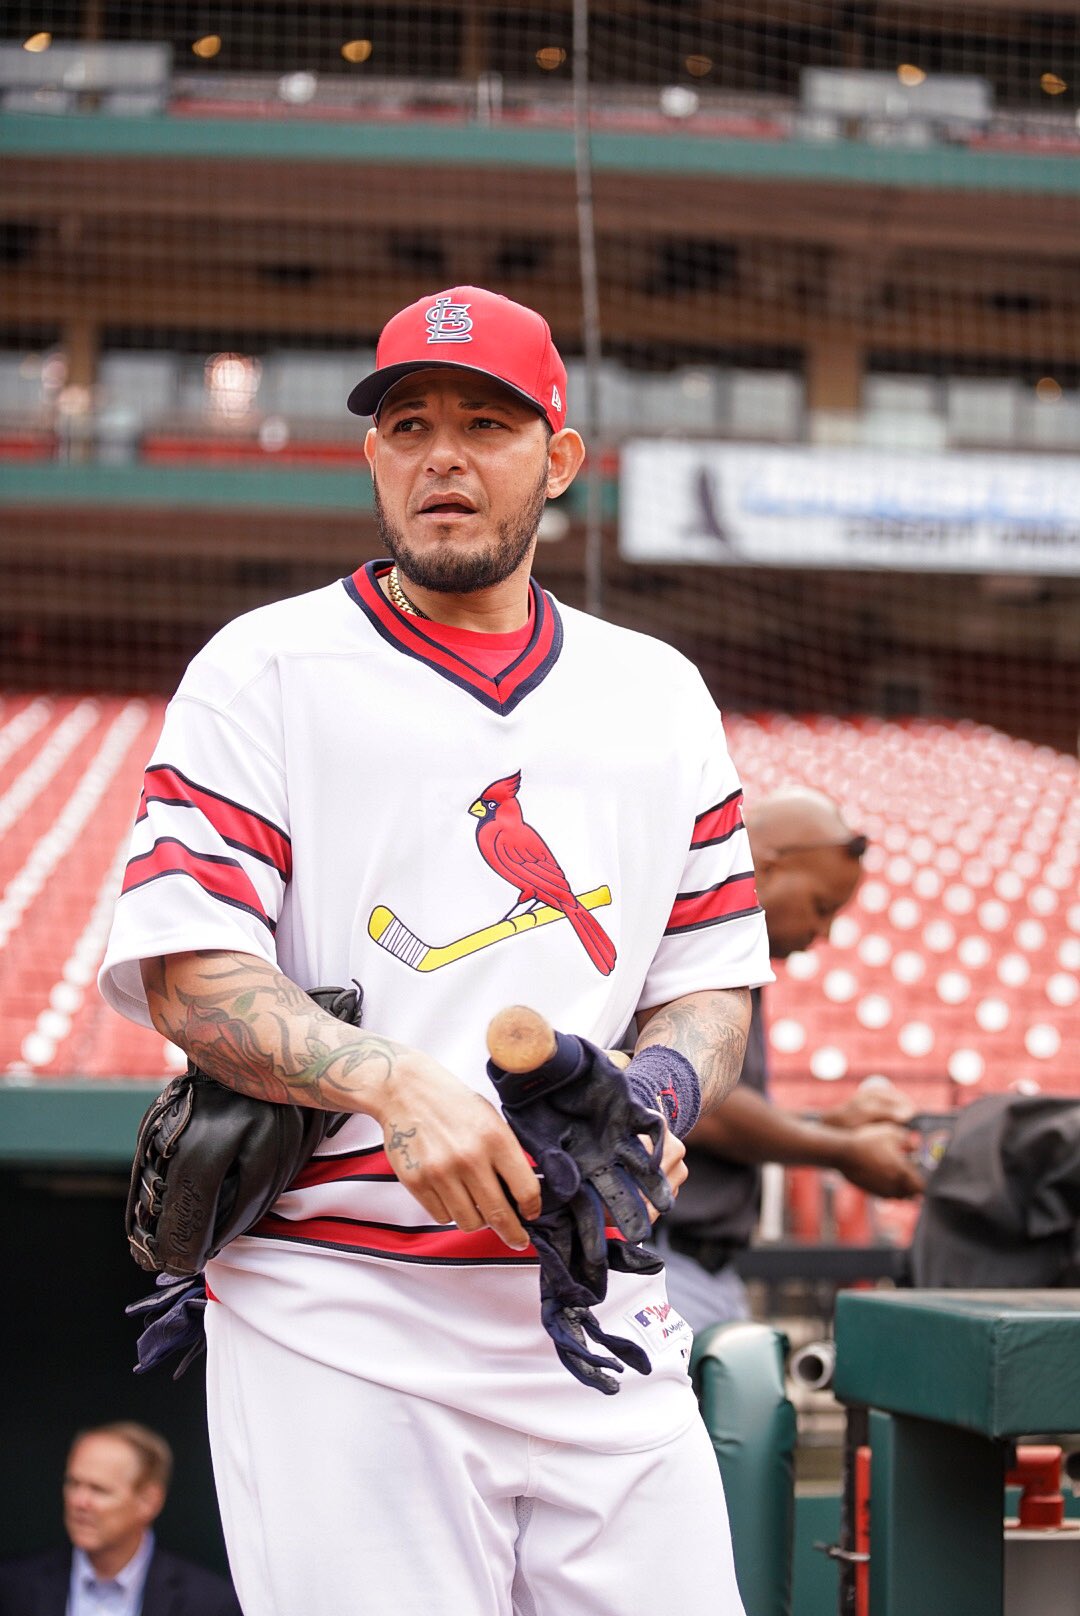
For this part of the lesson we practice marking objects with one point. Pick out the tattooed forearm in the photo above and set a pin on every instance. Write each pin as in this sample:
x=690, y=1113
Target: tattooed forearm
x=246, y=1024
x=710, y=1030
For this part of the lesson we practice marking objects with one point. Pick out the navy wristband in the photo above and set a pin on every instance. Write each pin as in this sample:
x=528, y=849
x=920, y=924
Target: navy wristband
x=665, y=1081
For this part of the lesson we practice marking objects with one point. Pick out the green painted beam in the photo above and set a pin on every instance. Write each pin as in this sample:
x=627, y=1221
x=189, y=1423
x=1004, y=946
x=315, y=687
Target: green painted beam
x=470, y=145
x=92, y=1123
x=94, y=135
x=196, y=486
x=209, y=487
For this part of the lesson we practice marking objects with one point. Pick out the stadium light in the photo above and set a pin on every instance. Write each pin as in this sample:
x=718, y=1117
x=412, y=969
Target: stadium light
x=909, y=74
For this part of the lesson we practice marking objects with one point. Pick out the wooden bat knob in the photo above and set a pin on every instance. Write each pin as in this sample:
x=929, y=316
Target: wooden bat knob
x=519, y=1039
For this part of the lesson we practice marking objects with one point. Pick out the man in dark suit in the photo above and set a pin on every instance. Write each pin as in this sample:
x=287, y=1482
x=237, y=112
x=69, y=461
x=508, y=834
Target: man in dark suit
x=115, y=1486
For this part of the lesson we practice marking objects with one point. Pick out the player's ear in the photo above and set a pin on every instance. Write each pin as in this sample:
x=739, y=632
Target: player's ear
x=370, y=440
x=566, y=452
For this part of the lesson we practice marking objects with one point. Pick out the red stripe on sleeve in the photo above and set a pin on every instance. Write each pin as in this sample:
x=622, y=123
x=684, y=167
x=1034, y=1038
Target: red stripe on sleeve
x=717, y=823
x=237, y=825
x=735, y=896
x=221, y=878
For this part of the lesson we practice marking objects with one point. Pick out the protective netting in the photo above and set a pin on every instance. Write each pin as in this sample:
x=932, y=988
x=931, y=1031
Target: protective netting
x=814, y=270
x=833, y=396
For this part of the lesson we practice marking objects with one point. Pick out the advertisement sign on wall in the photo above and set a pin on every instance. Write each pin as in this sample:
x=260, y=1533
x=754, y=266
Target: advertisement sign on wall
x=750, y=505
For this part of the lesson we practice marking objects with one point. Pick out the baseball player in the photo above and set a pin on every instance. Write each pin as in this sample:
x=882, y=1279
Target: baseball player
x=808, y=867
x=433, y=778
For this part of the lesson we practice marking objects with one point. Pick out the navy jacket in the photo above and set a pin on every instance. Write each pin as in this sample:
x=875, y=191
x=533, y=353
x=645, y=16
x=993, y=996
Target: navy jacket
x=38, y=1586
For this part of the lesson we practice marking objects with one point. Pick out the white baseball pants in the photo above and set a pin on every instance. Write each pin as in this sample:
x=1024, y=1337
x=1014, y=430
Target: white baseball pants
x=343, y=1498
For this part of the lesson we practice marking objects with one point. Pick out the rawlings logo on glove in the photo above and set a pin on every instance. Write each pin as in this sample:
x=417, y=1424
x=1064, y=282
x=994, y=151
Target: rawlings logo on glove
x=210, y=1161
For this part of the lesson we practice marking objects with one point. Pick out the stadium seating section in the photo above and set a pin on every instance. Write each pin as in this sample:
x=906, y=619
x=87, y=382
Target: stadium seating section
x=956, y=970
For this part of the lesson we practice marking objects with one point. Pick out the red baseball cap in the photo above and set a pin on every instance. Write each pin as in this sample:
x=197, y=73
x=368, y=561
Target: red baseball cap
x=468, y=328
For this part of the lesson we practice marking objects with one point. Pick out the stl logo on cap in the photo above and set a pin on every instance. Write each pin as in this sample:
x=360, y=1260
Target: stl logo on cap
x=502, y=339
x=449, y=321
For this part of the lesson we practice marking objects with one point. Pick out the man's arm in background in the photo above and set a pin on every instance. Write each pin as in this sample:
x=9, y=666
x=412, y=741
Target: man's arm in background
x=874, y=1154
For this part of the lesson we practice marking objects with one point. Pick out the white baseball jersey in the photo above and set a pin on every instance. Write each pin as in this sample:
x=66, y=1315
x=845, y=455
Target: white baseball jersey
x=317, y=798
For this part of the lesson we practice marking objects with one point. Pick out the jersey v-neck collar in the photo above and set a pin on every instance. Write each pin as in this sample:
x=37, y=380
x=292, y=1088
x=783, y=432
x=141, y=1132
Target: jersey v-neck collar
x=406, y=634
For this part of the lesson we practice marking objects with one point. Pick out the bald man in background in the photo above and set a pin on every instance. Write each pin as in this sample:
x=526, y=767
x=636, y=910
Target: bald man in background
x=808, y=863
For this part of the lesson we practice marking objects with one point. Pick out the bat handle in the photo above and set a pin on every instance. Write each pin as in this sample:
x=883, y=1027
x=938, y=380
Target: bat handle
x=519, y=1039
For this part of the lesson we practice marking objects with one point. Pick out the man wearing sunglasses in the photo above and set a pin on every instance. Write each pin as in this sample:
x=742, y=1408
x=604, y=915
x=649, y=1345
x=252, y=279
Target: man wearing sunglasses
x=808, y=863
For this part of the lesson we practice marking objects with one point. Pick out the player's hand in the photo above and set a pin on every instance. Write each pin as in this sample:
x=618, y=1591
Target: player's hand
x=878, y=1158
x=455, y=1152
x=673, y=1154
x=672, y=1157
x=875, y=1100
x=672, y=1164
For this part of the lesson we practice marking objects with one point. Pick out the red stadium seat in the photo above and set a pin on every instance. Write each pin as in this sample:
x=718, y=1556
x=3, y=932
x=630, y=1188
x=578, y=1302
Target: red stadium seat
x=955, y=971
x=957, y=967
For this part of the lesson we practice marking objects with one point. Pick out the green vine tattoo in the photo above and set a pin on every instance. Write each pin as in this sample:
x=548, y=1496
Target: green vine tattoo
x=710, y=1030
x=250, y=1027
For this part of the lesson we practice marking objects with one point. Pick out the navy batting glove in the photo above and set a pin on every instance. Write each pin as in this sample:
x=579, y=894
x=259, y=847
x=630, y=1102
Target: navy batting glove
x=566, y=1304
x=568, y=1327
x=626, y=1258
x=578, y=1115
x=173, y=1314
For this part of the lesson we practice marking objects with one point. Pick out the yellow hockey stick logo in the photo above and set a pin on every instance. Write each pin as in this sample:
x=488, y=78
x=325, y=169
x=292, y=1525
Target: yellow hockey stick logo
x=390, y=933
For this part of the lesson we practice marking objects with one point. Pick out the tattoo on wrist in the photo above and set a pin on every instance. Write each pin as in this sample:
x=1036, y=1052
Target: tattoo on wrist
x=399, y=1144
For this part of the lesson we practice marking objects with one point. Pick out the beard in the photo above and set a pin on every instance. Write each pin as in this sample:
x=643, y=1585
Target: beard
x=447, y=569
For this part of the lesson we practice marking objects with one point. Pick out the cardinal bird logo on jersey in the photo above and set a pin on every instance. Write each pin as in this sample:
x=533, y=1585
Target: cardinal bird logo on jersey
x=521, y=856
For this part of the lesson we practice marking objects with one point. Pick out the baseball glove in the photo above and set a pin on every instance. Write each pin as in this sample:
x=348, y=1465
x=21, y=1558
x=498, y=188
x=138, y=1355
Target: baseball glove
x=210, y=1161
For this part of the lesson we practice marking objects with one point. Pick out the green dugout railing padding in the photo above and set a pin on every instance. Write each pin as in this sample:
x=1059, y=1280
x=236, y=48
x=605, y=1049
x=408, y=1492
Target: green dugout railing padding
x=950, y=1379
x=738, y=1374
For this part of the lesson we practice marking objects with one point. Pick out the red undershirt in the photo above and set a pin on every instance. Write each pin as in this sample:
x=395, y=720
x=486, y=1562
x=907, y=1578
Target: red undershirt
x=489, y=654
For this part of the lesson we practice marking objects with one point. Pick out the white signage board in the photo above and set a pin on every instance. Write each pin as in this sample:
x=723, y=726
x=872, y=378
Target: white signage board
x=729, y=504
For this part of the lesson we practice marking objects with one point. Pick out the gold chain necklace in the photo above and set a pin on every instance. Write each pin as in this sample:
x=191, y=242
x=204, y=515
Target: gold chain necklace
x=399, y=598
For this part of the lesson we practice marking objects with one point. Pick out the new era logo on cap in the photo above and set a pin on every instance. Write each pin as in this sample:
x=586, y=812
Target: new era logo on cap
x=483, y=332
